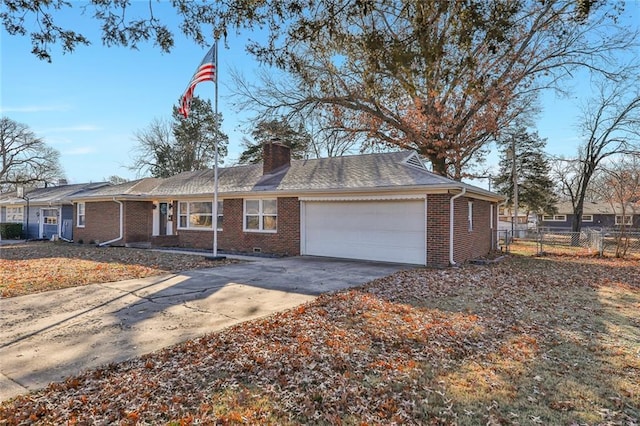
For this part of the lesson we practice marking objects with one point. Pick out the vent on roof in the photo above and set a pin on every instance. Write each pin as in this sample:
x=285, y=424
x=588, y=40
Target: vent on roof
x=415, y=161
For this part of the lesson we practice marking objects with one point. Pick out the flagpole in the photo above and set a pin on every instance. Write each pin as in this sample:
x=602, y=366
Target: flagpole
x=215, y=165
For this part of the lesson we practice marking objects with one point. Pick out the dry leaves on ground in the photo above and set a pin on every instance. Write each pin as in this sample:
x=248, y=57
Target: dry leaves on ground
x=41, y=266
x=524, y=341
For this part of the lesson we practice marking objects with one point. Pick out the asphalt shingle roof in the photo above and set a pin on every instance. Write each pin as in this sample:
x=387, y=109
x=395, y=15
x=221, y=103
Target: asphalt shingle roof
x=51, y=194
x=355, y=172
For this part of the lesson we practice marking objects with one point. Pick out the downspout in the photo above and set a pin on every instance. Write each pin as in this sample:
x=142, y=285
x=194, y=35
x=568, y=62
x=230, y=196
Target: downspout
x=121, y=225
x=451, y=224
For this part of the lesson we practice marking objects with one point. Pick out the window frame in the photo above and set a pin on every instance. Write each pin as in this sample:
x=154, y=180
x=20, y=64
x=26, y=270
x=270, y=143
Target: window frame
x=470, y=215
x=585, y=216
x=554, y=218
x=187, y=215
x=48, y=218
x=81, y=215
x=261, y=215
x=12, y=220
x=627, y=218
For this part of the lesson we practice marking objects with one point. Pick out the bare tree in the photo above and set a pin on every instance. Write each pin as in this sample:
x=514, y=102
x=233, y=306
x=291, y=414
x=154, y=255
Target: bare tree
x=154, y=150
x=618, y=183
x=25, y=158
x=166, y=148
x=610, y=125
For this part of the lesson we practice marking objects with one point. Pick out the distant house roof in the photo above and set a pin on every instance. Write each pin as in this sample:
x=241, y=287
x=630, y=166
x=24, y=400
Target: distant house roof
x=61, y=194
x=366, y=172
x=131, y=189
x=598, y=208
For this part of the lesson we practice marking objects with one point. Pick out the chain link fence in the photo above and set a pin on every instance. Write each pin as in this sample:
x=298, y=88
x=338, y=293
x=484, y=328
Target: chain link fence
x=602, y=242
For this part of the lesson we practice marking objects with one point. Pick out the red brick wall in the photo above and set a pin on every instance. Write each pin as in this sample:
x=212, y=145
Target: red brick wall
x=102, y=222
x=467, y=244
x=138, y=225
x=286, y=241
x=471, y=244
x=437, y=229
x=274, y=155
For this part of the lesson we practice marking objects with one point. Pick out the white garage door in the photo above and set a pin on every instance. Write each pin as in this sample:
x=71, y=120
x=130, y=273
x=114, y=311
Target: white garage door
x=388, y=231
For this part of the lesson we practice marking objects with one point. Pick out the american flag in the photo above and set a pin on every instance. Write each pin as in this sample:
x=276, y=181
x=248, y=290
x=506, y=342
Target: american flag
x=205, y=72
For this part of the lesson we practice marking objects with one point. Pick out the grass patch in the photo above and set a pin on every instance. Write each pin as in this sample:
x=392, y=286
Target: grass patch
x=42, y=266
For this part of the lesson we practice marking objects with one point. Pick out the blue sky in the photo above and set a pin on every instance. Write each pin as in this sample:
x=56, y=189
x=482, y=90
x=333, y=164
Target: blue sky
x=88, y=104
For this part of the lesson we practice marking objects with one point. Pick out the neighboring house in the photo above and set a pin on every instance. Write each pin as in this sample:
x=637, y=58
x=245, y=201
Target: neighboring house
x=594, y=215
x=382, y=207
x=43, y=212
x=506, y=216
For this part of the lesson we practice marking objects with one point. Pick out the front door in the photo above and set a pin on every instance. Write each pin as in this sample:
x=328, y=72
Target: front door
x=49, y=223
x=162, y=230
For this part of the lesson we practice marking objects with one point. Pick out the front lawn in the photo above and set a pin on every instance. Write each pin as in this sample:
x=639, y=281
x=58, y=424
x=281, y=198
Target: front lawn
x=41, y=266
x=524, y=341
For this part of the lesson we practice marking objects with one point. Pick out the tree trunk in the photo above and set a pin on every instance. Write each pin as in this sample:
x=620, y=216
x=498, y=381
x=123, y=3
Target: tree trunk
x=439, y=164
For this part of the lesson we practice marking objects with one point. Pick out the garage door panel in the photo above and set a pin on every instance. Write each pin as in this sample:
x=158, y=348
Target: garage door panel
x=392, y=231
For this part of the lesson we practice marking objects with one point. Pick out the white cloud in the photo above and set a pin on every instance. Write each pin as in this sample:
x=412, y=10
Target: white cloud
x=78, y=128
x=83, y=150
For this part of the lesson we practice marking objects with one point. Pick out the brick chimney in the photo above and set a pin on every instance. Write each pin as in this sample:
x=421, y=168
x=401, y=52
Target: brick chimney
x=274, y=156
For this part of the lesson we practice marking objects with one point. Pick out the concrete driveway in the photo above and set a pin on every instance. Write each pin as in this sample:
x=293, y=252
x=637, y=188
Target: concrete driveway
x=49, y=336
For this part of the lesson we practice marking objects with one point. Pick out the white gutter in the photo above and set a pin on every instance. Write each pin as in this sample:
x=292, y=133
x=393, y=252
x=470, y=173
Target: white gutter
x=451, y=224
x=121, y=225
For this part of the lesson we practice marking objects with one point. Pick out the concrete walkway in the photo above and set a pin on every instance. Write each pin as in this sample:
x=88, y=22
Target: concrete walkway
x=49, y=336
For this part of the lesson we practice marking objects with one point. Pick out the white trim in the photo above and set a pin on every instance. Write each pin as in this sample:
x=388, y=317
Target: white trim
x=415, y=161
x=260, y=216
x=470, y=215
x=177, y=215
x=426, y=231
x=84, y=214
x=41, y=223
x=303, y=228
x=587, y=220
x=305, y=209
x=555, y=218
x=6, y=213
x=367, y=197
x=628, y=219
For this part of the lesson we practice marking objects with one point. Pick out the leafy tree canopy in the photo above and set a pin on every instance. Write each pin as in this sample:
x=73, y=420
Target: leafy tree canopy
x=522, y=152
x=184, y=144
x=274, y=130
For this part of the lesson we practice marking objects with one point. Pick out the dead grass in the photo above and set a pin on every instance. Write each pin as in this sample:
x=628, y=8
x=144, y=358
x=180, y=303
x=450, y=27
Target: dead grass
x=42, y=266
x=551, y=340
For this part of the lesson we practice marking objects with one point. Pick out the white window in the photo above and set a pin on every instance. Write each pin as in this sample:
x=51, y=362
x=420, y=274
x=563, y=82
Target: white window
x=198, y=214
x=555, y=218
x=587, y=218
x=15, y=214
x=261, y=215
x=470, y=215
x=50, y=216
x=81, y=216
x=624, y=220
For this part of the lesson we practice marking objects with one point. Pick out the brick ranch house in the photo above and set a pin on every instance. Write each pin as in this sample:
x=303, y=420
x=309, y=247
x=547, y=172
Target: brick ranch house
x=382, y=207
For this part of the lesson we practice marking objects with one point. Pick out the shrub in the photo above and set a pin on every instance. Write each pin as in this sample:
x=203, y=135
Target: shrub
x=10, y=231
